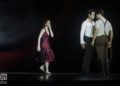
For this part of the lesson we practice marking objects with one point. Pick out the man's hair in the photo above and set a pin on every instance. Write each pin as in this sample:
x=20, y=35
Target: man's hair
x=100, y=11
x=90, y=11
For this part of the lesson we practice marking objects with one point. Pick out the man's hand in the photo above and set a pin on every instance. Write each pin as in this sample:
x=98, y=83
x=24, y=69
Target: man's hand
x=93, y=43
x=109, y=44
x=83, y=46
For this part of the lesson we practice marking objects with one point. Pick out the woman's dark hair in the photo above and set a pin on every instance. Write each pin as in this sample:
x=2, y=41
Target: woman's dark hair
x=44, y=22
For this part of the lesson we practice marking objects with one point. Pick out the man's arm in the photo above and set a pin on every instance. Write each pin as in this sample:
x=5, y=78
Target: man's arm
x=94, y=36
x=94, y=33
x=110, y=36
x=82, y=42
x=111, y=33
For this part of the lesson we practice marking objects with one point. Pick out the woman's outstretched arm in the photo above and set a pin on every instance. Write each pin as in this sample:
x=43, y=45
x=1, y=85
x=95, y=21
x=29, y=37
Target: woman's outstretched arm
x=39, y=40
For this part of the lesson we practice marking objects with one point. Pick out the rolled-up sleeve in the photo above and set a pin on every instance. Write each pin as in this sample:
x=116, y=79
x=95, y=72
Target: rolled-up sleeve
x=83, y=28
x=110, y=27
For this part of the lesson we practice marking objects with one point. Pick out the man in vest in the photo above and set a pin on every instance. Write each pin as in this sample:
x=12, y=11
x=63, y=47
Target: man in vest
x=103, y=36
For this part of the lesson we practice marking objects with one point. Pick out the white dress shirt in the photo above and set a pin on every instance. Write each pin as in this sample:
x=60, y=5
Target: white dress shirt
x=101, y=29
x=86, y=29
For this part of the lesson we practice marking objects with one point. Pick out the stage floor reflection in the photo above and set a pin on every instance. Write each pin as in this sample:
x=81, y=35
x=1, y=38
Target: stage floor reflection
x=38, y=78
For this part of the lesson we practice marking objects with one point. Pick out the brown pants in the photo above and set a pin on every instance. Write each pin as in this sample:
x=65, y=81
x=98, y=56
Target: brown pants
x=101, y=44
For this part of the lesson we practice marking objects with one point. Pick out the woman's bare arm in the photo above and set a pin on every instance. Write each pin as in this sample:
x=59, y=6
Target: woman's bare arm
x=39, y=39
x=51, y=32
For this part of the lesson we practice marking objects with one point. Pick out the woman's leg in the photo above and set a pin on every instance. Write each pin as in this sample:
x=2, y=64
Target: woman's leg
x=47, y=67
x=42, y=67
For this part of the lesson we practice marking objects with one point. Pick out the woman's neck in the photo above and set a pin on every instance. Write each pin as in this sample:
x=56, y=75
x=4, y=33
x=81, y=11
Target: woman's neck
x=46, y=27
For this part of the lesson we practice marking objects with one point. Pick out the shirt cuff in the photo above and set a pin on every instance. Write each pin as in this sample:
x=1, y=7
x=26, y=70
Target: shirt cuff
x=82, y=42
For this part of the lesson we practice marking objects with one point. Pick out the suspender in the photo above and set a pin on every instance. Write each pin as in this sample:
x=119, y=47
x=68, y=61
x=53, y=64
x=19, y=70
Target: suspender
x=104, y=26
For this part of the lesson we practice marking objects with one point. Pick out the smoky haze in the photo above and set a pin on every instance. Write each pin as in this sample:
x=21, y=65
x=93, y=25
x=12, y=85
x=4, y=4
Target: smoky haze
x=20, y=20
x=16, y=27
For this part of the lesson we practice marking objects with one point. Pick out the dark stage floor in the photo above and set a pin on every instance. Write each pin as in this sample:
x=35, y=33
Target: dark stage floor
x=58, y=78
